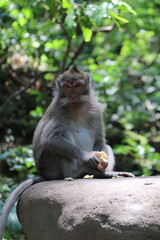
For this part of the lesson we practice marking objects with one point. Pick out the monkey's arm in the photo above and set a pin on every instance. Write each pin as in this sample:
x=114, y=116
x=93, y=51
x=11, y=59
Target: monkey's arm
x=100, y=142
x=61, y=146
x=99, y=137
x=12, y=199
x=51, y=136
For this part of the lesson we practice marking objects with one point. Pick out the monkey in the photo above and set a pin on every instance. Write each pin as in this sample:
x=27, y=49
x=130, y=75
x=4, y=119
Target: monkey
x=70, y=130
x=66, y=137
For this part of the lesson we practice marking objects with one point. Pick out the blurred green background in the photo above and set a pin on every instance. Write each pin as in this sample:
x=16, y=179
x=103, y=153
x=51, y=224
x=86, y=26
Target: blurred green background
x=118, y=42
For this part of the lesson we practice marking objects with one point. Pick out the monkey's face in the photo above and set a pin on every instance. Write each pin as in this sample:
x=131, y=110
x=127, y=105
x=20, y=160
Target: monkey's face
x=73, y=87
x=74, y=91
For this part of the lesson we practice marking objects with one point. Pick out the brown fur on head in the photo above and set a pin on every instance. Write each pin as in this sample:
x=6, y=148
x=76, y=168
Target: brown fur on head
x=73, y=74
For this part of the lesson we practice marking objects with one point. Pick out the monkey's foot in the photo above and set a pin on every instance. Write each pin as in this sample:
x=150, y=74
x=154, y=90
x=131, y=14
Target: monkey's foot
x=113, y=175
x=123, y=174
x=119, y=174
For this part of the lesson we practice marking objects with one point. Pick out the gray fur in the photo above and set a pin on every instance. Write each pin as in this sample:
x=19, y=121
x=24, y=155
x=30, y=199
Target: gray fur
x=67, y=134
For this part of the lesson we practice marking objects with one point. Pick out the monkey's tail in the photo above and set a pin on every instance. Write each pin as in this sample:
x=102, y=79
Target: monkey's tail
x=12, y=199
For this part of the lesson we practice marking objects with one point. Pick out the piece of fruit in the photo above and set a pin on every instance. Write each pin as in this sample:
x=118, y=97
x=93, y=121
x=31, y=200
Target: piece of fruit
x=69, y=179
x=88, y=176
x=102, y=157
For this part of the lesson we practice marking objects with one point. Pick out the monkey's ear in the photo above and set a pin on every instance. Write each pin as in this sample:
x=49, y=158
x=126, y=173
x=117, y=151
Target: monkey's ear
x=57, y=81
x=89, y=79
x=74, y=69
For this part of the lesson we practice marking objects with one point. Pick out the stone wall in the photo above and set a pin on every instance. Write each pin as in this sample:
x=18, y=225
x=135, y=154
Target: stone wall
x=92, y=209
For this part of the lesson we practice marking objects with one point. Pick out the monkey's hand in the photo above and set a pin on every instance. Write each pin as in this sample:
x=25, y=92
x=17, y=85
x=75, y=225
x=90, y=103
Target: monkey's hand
x=102, y=157
x=91, y=160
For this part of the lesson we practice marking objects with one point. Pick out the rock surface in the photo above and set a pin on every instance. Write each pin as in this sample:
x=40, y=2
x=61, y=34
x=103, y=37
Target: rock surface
x=92, y=209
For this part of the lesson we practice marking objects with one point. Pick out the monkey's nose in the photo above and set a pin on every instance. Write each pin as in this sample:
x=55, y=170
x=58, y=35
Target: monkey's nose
x=73, y=96
x=73, y=99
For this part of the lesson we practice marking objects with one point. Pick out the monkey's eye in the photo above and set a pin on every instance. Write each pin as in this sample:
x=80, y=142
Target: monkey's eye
x=67, y=86
x=77, y=85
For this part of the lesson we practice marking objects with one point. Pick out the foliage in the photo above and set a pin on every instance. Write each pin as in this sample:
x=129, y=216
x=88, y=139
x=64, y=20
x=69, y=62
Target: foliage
x=116, y=41
x=17, y=164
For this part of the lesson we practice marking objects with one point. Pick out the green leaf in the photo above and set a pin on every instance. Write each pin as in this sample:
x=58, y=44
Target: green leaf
x=119, y=26
x=118, y=17
x=70, y=22
x=96, y=13
x=86, y=27
x=143, y=140
x=14, y=12
x=29, y=162
x=2, y=3
x=67, y=4
x=122, y=149
x=87, y=33
x=22, y=21
x=38, y=112
x=128, y=7
x=56, y=44
x=53, y=6
x=27, y=13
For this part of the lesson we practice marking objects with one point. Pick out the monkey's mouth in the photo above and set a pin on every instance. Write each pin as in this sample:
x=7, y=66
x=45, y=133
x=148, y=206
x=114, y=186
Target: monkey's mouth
x=74, y=101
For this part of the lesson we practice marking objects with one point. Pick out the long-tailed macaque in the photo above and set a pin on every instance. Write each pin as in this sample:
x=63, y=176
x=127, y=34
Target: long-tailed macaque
x=67, y=137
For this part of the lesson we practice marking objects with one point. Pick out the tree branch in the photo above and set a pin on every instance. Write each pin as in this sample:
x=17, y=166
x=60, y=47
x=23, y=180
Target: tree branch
x=24, y=88
x=66, y=54
x=106, y=29
x=76, y=54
